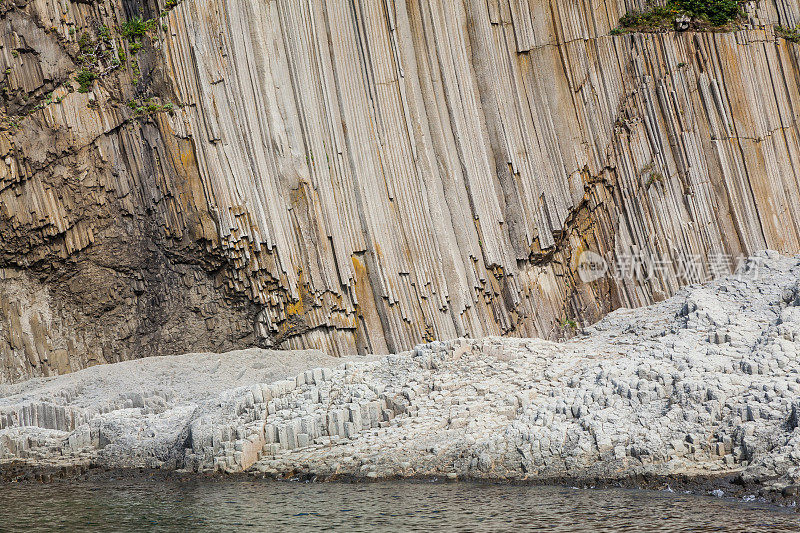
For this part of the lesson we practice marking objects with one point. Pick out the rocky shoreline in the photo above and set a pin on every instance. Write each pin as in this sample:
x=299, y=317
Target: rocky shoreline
x=703, y=387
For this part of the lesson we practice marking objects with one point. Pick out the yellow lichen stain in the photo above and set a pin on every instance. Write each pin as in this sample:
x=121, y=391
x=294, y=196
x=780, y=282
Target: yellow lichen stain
x=366, y=312
x=187, y=158
x=579, y=249
x=297, y=308
x=359, y=268
x=294, y=308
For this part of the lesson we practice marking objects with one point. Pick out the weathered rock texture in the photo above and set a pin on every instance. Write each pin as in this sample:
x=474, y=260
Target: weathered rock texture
x=108, y=250
x=360, y=176
x=705, y=383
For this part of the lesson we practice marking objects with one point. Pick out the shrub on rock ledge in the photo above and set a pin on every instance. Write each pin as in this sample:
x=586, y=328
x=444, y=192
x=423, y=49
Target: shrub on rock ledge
x=715, y=13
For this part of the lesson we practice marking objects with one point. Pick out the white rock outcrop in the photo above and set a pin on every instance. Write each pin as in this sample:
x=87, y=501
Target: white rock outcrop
x=705, y=383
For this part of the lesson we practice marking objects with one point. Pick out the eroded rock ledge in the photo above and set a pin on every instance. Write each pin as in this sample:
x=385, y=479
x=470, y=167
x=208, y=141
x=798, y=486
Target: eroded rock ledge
x=705, y=383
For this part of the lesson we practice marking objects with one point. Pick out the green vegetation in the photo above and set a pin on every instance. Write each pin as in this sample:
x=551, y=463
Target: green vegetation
x=105, y=34
x=95, y=56
x=48, y=99
x=703, y=13
x=85, y=43
x=133, y=30
x=136, y=71
x=717, y=12
x=136, y=28
x=8, y=124
x=790, y=34
x=655, y=177
x=85, y=77
x=569, y=324
x=99, y=52
x=148, y=107
x=657, y=17
x=168, y=7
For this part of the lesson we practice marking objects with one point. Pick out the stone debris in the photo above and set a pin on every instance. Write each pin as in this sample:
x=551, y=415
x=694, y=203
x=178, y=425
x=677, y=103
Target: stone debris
x=147, y=412
x=704, y=383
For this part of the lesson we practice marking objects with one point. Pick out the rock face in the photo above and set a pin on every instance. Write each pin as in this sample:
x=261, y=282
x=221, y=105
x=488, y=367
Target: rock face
x=705, y=383
x=362, y=176
x=107, y=247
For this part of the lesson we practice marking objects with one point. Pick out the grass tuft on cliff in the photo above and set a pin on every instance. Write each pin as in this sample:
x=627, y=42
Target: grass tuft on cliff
x=136, y=28
x=702, y=13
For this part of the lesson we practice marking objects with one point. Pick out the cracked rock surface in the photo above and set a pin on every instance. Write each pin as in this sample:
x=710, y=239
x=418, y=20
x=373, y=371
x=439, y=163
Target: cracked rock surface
x=704, y=383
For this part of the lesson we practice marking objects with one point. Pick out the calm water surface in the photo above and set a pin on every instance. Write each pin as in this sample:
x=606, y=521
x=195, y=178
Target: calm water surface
x=257, y=505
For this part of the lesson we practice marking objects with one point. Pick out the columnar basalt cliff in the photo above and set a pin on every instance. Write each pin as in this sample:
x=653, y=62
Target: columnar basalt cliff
x=702, y=385
x=364, y=175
